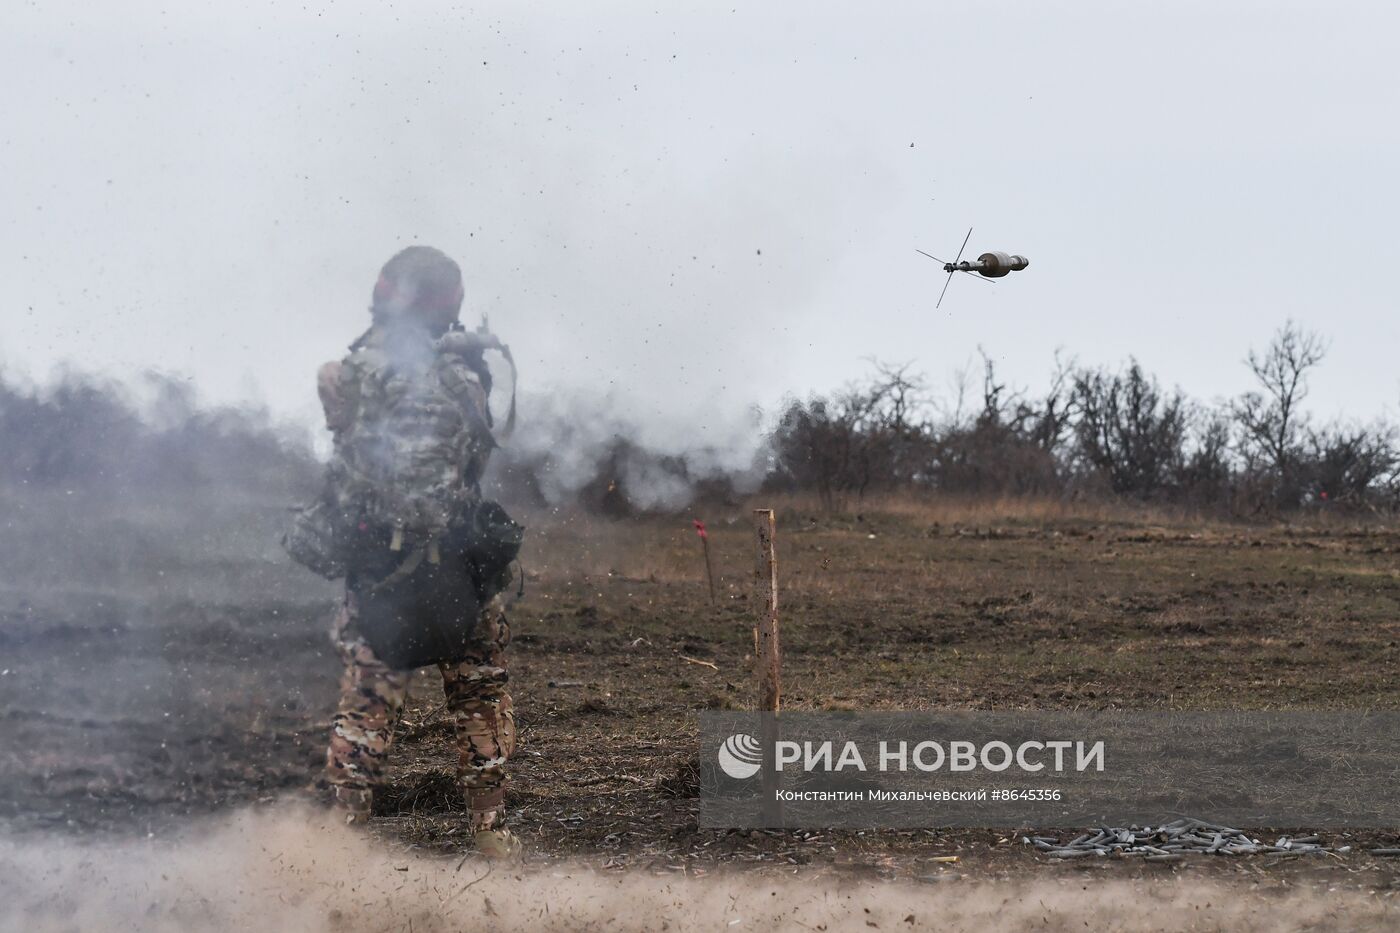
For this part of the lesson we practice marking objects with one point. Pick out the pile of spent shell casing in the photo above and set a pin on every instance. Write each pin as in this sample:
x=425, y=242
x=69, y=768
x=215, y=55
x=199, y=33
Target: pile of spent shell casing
x=1172, y=841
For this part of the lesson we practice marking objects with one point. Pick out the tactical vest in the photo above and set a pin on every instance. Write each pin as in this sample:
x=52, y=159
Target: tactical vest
x=416, y=439
x=413, y=440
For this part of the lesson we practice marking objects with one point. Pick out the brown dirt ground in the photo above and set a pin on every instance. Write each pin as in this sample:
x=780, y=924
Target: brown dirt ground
x=898, y=611
x=124, y=711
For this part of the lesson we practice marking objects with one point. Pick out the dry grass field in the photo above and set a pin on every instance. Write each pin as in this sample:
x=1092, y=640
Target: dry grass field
x=184, y=670
x=905, y=606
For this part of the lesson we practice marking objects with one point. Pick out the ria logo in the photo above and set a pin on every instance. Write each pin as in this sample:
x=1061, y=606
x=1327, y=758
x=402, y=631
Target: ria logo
x=740, y=756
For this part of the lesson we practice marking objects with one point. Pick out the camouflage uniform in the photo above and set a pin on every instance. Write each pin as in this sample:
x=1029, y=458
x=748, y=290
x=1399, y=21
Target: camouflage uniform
x=373, y=693
x=373, y=696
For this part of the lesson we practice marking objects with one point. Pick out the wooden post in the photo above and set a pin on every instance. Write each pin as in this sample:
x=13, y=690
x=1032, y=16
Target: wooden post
x=705, y=546
x=769, y=658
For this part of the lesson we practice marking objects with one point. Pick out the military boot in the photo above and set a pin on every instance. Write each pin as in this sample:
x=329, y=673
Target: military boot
x=490, y=837
x=352, y=803
x=497, y=843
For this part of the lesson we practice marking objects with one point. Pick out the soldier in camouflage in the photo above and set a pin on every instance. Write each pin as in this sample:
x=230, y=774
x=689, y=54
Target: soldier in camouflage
x=408, y=411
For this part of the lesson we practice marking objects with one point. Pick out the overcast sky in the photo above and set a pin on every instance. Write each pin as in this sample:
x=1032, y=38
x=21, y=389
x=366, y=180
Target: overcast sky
x=697, y=208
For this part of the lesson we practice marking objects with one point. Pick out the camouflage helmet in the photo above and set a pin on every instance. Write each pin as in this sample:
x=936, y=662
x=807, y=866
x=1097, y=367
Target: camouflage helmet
x=419, y=283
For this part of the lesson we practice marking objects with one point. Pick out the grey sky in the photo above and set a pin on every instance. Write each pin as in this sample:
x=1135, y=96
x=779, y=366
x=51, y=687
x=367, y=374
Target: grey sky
x=210, y=189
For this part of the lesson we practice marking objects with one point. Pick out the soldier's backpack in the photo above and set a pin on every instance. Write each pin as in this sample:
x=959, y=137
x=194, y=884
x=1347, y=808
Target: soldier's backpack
x=416, y=439
x=401, y=515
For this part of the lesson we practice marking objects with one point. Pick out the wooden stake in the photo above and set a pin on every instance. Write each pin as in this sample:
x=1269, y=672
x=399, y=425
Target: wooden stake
x=709, y=568
x=770, y=659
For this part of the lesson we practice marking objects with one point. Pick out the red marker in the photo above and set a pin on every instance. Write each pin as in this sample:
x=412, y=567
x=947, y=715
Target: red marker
x=705, y=544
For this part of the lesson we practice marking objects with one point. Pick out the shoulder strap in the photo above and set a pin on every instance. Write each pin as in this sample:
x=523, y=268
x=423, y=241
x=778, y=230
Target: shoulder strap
x=470, y=348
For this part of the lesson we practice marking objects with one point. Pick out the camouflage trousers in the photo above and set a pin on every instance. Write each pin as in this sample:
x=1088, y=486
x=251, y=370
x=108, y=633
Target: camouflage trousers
x=372, y=697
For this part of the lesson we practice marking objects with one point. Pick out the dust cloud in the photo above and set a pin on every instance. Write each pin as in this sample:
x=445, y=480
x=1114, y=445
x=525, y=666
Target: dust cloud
x=285, y=867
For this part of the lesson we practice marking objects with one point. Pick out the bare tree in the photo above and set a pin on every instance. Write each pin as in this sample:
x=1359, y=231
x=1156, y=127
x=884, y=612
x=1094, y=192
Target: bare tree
x=811, y=445
x=1047, y=425
x=1206, y=475
x=1008, y=447
x=901, y=393
x=866, y=436
x=1346, y=464
x=1092, y=430
x=952, y=416
x=992, y=404
x=1129, y=430
x=1271, y=420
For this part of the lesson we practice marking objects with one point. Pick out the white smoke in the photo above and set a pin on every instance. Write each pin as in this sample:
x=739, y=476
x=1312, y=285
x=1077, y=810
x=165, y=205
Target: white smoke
x=568, y=442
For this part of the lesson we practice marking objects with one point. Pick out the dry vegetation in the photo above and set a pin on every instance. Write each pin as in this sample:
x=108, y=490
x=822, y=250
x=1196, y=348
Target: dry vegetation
x=184, y=671
x=996, y=605
x=1113, y=434
x=162, y=660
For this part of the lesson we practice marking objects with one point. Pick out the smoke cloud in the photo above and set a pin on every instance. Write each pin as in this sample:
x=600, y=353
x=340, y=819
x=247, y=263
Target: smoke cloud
x=579, y=449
